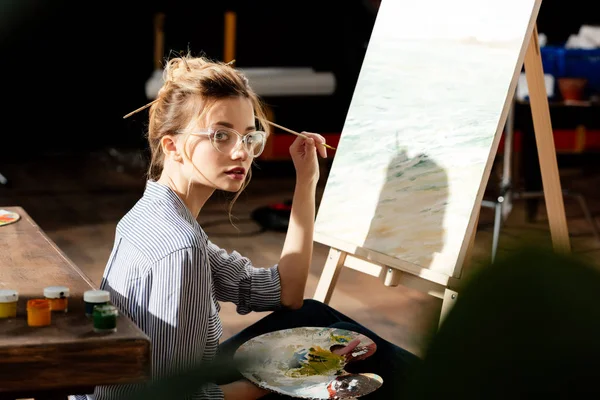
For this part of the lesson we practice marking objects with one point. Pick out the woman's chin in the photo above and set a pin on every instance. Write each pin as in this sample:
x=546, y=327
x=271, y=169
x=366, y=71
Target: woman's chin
x=232, y=186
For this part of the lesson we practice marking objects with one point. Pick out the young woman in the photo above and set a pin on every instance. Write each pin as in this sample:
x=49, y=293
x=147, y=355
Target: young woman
x=205, y=129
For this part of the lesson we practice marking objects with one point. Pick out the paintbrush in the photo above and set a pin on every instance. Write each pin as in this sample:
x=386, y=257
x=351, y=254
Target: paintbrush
x=297, y=134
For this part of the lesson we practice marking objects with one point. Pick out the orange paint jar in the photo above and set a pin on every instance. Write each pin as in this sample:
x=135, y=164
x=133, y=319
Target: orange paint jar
x=38, y=312
x=58, y=296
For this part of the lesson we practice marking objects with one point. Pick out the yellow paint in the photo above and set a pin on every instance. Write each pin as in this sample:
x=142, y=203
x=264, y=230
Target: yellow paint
x=59, y=304
x=8, y=310
x=58, y=297
x=8, y=303
x=319, y=362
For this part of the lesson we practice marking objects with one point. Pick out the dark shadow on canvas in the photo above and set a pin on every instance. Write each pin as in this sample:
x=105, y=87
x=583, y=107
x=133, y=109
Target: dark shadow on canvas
x=409, y=216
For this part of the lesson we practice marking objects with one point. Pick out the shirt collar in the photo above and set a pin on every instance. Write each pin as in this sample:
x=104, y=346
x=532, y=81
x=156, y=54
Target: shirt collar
x=158, y=192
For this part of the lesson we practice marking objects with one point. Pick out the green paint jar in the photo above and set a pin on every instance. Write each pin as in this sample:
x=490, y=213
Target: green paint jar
x=105, y=318
x=93, y=298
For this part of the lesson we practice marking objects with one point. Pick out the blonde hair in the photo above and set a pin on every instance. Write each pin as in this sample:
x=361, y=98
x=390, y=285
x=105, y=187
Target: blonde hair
x=191, y=86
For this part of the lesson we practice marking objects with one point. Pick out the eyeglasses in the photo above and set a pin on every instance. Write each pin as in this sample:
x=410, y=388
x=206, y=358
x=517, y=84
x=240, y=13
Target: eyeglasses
x=225, y=140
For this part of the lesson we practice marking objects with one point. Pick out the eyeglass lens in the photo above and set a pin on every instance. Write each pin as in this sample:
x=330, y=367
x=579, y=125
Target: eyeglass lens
x=225, y=140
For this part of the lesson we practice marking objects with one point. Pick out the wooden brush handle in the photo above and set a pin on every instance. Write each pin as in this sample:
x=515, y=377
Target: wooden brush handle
x=296, y=133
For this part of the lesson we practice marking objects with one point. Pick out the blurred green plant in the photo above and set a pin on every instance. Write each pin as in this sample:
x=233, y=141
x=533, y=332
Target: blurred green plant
x=527, y=325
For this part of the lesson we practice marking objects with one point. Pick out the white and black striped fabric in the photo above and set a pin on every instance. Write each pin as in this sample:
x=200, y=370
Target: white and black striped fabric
x=165, y=275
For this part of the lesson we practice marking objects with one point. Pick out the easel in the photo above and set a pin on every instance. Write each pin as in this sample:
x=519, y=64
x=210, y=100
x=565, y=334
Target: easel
x=394, y=272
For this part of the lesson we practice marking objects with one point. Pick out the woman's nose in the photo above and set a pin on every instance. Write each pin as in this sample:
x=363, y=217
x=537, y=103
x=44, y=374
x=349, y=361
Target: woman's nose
x=239, y=152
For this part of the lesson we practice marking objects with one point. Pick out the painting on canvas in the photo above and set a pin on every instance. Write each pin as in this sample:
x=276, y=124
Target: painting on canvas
x=423, y=127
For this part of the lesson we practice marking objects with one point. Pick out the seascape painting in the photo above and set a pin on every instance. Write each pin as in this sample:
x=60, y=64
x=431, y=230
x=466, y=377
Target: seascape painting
x=425, y=119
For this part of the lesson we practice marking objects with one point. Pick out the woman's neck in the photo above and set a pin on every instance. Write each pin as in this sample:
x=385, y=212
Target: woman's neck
x=193, y=196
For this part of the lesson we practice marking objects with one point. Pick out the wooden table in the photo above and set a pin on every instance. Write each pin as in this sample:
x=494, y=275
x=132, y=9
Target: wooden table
x=66, y=357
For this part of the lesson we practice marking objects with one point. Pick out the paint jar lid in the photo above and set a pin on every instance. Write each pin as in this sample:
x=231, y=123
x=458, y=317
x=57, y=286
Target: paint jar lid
x=56, y=292
x=96, y=296
x=8, y=296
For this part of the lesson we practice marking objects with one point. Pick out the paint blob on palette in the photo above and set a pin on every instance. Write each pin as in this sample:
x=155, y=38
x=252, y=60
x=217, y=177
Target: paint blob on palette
x=309, y=363
x=8, y=217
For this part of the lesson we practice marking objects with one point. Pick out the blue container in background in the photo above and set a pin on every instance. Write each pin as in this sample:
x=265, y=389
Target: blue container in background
x=573, y=63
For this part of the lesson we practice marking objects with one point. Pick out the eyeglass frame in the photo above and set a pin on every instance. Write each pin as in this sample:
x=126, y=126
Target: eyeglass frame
x=241, y=138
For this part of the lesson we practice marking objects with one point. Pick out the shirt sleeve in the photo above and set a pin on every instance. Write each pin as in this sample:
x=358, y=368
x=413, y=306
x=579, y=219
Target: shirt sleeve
x=237, y=281
x=178, y=308
x=210, y=391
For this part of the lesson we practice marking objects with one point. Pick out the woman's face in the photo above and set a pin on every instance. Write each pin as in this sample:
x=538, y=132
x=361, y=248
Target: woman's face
x=226, y=168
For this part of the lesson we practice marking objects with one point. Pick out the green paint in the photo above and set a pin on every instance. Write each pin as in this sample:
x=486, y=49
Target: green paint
x=105, y=318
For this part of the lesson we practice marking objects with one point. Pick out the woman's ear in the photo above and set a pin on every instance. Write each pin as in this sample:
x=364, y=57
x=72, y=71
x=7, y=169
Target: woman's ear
x=168, y=143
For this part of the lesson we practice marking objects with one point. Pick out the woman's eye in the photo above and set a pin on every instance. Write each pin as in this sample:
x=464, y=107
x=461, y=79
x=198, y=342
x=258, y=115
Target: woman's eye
x=221, y=136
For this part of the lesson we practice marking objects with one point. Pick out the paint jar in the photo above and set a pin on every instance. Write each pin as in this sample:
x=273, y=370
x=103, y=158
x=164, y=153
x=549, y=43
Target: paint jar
x=38, y=312
x=93, y=298
x=8, y=303
x=105, y=318
x=58, y=296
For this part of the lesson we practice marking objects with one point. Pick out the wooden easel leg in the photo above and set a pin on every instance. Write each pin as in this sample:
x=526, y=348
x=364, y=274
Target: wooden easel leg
x=450, y=297
x=329, y=276
x=451, y=292
x=545, y=143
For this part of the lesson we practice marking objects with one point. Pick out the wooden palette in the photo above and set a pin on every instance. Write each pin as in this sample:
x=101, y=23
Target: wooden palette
x=308, y=363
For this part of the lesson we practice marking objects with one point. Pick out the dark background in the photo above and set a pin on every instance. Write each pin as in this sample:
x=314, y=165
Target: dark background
x=72, y=69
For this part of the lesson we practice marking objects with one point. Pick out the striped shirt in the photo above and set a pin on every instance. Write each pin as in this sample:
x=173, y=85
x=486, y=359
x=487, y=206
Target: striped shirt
x=165, y=275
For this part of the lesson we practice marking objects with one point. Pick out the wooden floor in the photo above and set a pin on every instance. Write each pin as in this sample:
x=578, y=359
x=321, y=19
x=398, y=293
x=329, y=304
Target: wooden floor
x=78, y=199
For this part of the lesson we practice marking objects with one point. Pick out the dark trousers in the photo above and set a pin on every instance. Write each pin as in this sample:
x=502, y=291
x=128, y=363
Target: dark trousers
x=392, y=363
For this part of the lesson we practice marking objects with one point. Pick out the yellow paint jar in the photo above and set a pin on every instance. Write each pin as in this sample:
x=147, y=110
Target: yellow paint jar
x=38, y=312
x=58, y=296
x=8, y=303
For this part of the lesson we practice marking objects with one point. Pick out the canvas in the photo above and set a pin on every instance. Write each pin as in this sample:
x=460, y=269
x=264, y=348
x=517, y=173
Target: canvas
x=423, y=128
